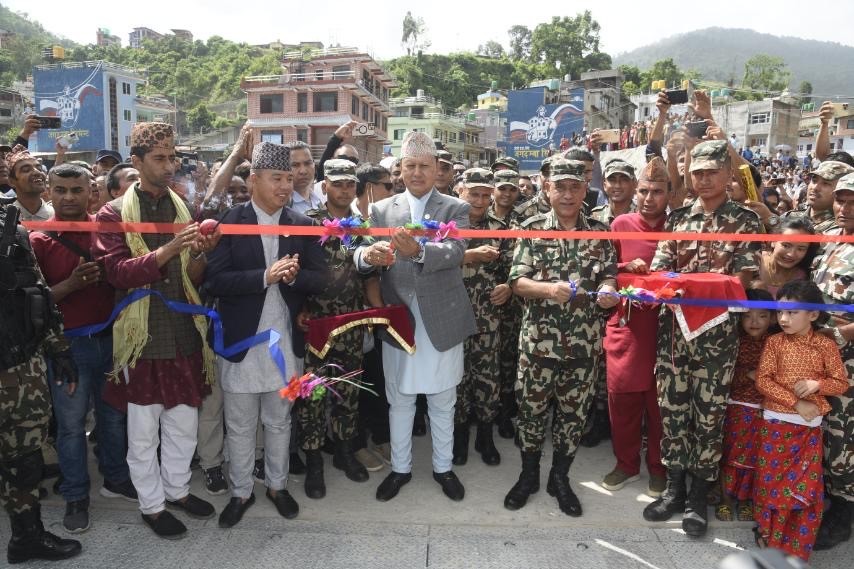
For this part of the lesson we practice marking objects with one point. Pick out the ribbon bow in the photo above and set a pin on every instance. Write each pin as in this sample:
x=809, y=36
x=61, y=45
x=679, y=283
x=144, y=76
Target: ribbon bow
x=344, y=228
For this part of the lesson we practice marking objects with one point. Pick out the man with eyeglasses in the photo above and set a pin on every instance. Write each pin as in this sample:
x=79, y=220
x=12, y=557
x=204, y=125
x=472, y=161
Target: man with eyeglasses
x=305, y=196
x=374, y=185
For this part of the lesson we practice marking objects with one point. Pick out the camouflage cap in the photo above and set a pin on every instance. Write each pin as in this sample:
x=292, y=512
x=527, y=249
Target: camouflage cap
x=832, y=170
x=546, y=164
x=477, y=177
x=709, y=155
x=339, y=169
x=445, y=156
x=618, y=166
x=506, y=178
x=507, y=162
x=562, y=169
x=845, y=183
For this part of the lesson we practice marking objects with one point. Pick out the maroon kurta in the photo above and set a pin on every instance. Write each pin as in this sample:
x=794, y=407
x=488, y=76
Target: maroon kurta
x=630, y=348
x=168, y=381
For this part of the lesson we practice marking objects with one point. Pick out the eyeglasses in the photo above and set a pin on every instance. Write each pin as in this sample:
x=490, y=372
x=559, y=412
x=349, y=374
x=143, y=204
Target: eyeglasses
x=388, y=185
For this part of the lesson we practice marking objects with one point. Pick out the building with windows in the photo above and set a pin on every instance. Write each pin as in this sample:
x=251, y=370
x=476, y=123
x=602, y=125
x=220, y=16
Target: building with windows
x=460, y=134
x=760, y=125
x=12, y=104
x=105, y=39
x=605, y=104
x=97, y=100
x=138, y=35
x=320, y=90
x=841, y=128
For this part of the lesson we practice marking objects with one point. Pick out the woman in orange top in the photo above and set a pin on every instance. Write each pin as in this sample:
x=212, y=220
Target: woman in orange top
x=798, y=368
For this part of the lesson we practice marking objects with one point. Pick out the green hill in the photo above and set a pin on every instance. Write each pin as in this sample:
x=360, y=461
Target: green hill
x=719, y=55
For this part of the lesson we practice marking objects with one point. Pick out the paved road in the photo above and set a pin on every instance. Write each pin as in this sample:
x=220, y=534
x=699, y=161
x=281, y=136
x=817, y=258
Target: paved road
x=420, y=528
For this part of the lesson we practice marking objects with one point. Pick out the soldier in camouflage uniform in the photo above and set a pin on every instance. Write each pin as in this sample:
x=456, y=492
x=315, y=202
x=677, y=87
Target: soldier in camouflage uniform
x=620, y=184
x=819, y=204
x=694, y=376
x=511, y=313
x=505, y=163
x=345, y=293
x=833, y=271
x=562, y=330
x=537, y=205
x=31, y=332
x=486, y=265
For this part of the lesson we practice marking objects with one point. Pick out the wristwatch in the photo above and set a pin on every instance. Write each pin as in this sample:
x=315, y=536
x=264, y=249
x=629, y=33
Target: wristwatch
x=419, y=258
x=838, y=337
x=772, y=221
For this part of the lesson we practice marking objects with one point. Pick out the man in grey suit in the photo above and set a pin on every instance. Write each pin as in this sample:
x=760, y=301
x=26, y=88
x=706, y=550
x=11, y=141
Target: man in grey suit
x=426, y=276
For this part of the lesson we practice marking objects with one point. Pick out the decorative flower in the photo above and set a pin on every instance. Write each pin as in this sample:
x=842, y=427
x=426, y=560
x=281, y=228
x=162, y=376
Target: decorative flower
x=344, y=228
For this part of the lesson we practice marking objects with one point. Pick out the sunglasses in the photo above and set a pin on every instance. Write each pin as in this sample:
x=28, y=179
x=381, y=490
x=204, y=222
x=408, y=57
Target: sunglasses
x=388, y=185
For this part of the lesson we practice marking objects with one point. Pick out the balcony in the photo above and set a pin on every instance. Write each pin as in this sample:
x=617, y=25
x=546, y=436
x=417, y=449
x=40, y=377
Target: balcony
x=293, y=80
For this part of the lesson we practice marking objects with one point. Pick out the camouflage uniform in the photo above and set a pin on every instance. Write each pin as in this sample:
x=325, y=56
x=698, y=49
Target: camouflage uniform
x=535, y=206
x=560, y=344
x=824, y=222
x=694, y=376
x=604, y=215
x=343, y=294
x=834, y=274
x=481, y=382
x=25, y=409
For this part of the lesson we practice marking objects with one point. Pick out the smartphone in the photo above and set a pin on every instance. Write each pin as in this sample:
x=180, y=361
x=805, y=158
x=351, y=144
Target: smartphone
x=364, y=129
x=49, y=123
x=697, y=129
x=677, y=96
x=609, y=136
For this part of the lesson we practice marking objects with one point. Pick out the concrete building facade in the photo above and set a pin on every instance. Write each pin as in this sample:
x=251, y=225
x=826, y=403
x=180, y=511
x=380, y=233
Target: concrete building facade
x=760, y=125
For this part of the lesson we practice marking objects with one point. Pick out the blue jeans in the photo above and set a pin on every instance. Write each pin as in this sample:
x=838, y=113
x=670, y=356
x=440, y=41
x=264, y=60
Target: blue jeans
x=94, y=359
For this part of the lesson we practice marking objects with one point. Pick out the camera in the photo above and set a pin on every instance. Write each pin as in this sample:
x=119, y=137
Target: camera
x=364, y=129
x=189, y=162
x=697, y=129
x=677, y=96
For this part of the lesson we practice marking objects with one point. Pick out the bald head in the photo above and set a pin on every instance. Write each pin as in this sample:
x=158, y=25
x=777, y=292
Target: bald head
x=347, y=152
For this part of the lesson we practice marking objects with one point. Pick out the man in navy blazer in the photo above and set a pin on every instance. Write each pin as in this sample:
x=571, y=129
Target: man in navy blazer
x=260, y=283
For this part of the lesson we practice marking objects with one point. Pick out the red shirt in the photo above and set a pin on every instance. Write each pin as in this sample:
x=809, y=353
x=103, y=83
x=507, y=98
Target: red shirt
x=90, y=305
x=629, y=250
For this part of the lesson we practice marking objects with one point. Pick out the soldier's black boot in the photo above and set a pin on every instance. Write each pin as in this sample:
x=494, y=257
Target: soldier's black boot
x=461, y=444
x=315, y=486
x=558, y=486
x=835, y=525
x=343, y=459
x=671, y=501
x=529, y=482
x=31, y=541
x=695, y=522
x=485, y=445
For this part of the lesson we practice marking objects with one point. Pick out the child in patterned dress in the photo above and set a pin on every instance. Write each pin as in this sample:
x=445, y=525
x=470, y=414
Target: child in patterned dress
x=743, y=415
x=797, y=370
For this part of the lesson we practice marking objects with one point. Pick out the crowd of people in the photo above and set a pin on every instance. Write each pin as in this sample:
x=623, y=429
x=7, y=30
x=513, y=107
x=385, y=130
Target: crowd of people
x=751, y=411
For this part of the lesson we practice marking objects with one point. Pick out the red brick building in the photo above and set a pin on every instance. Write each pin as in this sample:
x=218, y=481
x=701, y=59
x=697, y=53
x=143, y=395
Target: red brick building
x=319, y=91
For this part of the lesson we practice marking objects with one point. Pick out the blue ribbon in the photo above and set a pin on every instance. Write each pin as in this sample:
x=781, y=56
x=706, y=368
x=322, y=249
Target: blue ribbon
x=271, y=337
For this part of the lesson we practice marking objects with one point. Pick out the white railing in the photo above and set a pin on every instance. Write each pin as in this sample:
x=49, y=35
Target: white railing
x=314, y=52
x=301, y=77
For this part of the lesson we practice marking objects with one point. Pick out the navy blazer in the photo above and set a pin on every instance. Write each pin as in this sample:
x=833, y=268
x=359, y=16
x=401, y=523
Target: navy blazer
x=235, y=276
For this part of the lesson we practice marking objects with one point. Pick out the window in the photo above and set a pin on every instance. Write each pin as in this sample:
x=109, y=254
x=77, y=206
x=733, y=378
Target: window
x=385, y=125
x=340, y=71
x=126, y=115
x=760, y=118
x=318, y=74
x=125, y=88
x=325, y=102
x=302, y=102
x=453, y=137
x=365, y=111
x=398, y=133
x=272, y=104
x=302, y=135
x=849, y=124
x=127, y=141
x=354, y=105
x=757, y=141
x=5, y=112
x=274, y=136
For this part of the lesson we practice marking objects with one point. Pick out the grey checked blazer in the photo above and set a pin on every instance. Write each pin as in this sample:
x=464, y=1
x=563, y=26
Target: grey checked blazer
x=437, y=282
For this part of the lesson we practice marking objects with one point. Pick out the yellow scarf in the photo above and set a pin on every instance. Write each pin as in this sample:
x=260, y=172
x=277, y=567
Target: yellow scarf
x=130, y=331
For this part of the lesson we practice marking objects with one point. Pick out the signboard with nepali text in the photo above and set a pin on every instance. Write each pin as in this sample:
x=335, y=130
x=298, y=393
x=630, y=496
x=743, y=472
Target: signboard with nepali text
x=75, y=95
x=535, y=129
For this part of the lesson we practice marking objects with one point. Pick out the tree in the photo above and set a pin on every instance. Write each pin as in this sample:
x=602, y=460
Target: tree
x=568, y=46
x=200, y=118
x=664, y=69
x=765, y=74
x=805, y=90
x=491, y=49
x=413, y=34
x=631, y=73
x=520, y=42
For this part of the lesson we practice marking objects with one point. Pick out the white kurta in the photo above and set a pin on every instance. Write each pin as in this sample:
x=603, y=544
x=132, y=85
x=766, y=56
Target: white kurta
x=427, y=370
x=257, y=373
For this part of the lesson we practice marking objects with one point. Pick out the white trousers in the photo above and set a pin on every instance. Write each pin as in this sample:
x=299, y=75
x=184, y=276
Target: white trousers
x=174, y=430
x=440, y=409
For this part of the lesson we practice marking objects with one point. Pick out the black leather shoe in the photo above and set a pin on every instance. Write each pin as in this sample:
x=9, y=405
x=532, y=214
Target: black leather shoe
x=346, y=461
x=45, y=546
x=285, y=503
x=485, y=445
x=193, y=507
x=166, y=525
x=451, y=485
x=392, y=484
x=506, y=430
x=461, y=444
x=234, y=510
x=315, y=485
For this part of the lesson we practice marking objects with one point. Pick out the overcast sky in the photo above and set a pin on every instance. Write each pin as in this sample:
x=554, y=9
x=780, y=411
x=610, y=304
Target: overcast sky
x=451, y=25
